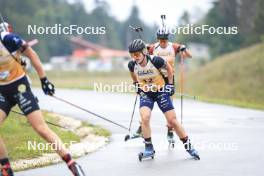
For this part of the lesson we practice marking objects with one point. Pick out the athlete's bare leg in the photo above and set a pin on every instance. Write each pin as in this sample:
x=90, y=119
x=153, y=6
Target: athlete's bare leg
x=37, y=122
x=145, y=114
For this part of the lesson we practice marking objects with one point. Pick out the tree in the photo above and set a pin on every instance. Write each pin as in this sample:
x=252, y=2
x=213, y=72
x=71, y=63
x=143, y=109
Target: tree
x=259, y=22
x=185, y=19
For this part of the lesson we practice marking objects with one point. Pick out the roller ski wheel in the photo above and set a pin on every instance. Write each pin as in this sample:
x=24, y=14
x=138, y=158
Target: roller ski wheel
x=170, y=138
x=189, y=148
x=141, y=156
x=134, y=136
x=171, y=144
x=194, y=154
x=146, y=154
x=127, y=137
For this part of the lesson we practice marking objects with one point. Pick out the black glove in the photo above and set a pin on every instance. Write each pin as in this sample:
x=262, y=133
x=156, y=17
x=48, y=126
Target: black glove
x=138, y=90
x=182, y=48
x=47, y=87
x=170, y=89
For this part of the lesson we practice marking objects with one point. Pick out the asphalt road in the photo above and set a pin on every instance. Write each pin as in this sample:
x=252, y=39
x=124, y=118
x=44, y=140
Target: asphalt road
x=229, y=139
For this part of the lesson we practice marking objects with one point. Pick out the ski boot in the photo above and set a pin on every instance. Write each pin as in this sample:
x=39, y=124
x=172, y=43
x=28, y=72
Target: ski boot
x=6, y=171
x=148, y=153
x=76, y=169
x=135, y=135
x=189, y=148
x=170, y=137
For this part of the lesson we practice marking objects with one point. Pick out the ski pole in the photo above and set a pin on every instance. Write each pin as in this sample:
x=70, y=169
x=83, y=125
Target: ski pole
x=3, y=22
x=181, y=84
x=90, y=112
x=133, y=112
x=163, y=17
x=137, y=30
x=57, y=125
x=14, y=57
x=127, y=137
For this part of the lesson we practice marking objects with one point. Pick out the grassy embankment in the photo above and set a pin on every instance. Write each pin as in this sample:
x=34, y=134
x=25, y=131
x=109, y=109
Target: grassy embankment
x=236, y=79
x=17, y=132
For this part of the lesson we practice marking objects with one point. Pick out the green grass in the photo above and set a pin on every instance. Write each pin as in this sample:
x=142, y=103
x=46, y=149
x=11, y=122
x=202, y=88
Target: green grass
x=236, y=79
x=16, y=132
x=98, y=130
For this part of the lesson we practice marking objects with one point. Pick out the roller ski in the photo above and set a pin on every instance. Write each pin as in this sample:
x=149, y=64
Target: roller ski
x=170, y=138
x=148, y=153
x=189, y=149
x=137, y=134
x=76, y=169
x=194, y=154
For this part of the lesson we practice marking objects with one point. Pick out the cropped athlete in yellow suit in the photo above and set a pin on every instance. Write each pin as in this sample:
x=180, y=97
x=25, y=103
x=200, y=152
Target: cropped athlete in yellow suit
x=15, y=90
